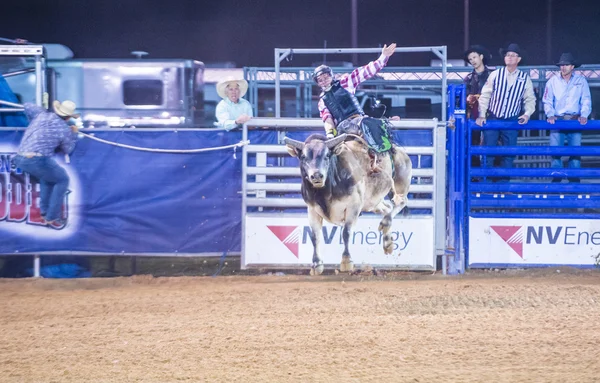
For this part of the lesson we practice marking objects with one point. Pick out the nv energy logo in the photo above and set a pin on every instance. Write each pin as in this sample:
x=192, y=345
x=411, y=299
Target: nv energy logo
x=292, y=236
x=518, y=236
x=289, y=236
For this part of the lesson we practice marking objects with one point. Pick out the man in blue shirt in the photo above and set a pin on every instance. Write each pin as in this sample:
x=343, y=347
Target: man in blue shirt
x=48, y=133
x=233, y=110
x=567, y=97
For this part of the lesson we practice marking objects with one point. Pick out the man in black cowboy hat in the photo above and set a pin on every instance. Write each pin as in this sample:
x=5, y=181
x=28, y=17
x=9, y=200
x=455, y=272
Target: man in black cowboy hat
x=507, y=96
x=567, y=97
x=478, y=56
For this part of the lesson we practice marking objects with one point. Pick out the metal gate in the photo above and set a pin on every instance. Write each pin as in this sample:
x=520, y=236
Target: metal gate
x=275, y=230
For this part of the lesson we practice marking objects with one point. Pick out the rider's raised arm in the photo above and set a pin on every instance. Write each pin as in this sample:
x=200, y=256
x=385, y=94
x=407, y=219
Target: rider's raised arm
x=353, y=79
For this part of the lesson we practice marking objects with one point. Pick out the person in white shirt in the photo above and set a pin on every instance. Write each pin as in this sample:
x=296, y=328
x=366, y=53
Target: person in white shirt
x=567, y=97
x=233, y=110
x=508, y=96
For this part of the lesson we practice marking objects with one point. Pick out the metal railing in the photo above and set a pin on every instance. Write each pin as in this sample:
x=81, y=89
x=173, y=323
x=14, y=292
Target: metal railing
x=275, y=189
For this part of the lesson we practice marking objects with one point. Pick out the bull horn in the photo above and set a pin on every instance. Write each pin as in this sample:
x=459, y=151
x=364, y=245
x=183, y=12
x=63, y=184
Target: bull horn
x=333, y=142
x=293, y=143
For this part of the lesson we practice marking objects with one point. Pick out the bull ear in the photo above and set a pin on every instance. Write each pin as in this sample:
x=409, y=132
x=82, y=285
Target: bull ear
x=294, y=147
x=292, y=151
x=332, y=143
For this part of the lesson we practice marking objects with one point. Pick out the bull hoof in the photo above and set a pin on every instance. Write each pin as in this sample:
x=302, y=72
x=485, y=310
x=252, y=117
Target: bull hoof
x=388, y=245
x=347, y=266
x=317, y=270
x=389, y=249
x=384, y=224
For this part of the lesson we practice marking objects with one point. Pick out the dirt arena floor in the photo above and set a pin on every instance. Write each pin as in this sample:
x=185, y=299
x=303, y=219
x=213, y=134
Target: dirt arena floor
x=534, y=326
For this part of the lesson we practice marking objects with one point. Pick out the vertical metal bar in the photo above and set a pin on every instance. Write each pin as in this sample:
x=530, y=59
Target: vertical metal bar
x=298, y=97
x=549, y=32
x=277, y=84
x=38, y=80
x=461, y=139
x=244, y=194
x=467, y=209
x=307, y=98
x=451, y=166
x=36, y=266
x=255, y=74
x=439, y=142
x=354, y=31
x=466, y=26
x=444, y=82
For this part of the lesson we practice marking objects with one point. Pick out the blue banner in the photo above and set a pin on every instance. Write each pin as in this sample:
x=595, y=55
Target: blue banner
x=123, y=201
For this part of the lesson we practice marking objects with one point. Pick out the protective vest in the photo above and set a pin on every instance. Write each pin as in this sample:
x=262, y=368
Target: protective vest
x=341, y=103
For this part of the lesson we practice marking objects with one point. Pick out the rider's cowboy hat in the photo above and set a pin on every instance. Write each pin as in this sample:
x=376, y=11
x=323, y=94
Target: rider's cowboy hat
x=221, y=85
x=65, y=109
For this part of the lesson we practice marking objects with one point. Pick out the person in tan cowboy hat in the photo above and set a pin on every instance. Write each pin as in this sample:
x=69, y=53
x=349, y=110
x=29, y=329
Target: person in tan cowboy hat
x=47, y=133
x=233, y=110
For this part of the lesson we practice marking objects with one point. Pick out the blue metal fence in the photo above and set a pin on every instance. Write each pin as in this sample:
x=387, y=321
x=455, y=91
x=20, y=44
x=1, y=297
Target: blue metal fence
x=478, y=192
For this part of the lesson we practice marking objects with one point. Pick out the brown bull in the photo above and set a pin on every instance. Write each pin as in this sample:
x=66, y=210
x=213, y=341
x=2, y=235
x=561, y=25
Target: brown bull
x=337, y=185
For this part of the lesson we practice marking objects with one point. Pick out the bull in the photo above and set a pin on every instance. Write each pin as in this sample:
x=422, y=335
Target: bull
x=338, y=184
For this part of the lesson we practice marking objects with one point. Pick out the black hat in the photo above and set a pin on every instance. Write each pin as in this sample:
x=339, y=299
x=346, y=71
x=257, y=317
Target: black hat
x=479, y=49
x=511, y=48
x=567, y=59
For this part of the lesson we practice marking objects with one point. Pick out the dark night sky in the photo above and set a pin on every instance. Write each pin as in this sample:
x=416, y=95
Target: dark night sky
x=246, y=32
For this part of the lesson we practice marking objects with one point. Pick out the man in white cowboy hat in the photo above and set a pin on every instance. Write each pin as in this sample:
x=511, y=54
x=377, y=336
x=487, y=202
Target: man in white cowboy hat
x=567, y=97
x=47, y=133
x=233, y=110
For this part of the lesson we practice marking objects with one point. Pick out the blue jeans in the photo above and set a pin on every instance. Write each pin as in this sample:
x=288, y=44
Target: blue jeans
x=557, y=138
x=54, y=183
x=507, y=138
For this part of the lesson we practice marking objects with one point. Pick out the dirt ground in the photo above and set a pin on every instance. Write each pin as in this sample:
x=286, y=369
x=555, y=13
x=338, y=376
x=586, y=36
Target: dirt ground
x=534, y=326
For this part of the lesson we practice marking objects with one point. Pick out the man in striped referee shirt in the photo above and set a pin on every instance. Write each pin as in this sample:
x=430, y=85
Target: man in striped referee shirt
x=507, y=96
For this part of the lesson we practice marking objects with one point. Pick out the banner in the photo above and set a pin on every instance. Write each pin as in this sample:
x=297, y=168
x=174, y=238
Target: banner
x=123, y=201
x=283, y=241
x=533, y=242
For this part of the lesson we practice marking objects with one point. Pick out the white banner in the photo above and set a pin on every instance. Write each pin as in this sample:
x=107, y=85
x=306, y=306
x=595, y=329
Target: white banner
x=523, y=242
x=272, y=240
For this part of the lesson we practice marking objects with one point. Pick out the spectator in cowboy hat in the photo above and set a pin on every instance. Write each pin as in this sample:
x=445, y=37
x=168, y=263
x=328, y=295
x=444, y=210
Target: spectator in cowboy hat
x=506, y=96
x=233, y=110
x=567, y=97
x=478, y=56
x=47, y=133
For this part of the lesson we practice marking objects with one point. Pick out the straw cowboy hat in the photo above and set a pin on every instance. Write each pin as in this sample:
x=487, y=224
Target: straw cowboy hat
x=221, y=85
x=65, y=109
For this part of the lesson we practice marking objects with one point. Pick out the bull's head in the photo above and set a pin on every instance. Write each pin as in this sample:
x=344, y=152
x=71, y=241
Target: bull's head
x=314, y=155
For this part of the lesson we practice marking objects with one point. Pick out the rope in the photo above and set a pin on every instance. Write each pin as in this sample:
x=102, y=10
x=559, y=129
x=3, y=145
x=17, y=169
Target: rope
x=239, y=144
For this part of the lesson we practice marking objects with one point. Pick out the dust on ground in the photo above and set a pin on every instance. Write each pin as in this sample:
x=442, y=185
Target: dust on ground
x=487, y=326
